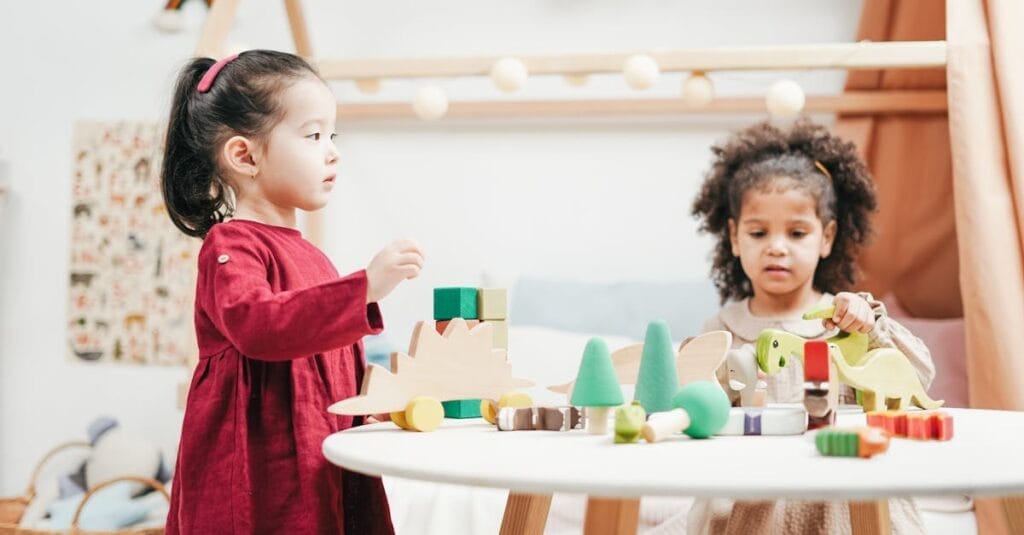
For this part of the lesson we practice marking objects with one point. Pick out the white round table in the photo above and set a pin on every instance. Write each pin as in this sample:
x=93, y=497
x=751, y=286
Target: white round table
x=983, y=458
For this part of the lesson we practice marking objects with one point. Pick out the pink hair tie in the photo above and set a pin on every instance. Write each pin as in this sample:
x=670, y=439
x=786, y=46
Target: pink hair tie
x=207, y=80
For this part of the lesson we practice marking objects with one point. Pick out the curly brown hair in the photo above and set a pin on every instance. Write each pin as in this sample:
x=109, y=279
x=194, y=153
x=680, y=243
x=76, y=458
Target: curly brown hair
x=762, y=155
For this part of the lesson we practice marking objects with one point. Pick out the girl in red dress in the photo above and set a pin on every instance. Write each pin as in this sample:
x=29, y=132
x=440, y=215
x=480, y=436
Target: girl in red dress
x=250, y=139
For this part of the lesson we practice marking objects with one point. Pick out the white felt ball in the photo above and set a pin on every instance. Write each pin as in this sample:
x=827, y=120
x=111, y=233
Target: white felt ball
x=431, y=103
x=170, y=21
x=698, y=91
x=785, y=98
x=119, y=453
x=641, y=71
x=509, y=74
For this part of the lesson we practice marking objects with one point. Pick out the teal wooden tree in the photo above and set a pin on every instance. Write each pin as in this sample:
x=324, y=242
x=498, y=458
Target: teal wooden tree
x=597, y=387
x=658, y=380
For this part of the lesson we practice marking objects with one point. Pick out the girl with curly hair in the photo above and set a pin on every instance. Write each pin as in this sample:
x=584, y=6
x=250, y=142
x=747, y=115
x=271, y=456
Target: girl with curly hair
x=790, y=208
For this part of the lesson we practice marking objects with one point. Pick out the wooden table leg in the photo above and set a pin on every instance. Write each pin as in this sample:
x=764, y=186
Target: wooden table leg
x=870, y=518
x=1013, y=507
x=612, y=516
x=525, y=514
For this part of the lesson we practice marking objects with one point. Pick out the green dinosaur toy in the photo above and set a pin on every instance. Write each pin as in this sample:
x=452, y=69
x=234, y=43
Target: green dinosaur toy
x=854, y=346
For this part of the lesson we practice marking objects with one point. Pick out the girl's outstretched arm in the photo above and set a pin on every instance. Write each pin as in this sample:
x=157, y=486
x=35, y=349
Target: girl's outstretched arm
x=285, y=325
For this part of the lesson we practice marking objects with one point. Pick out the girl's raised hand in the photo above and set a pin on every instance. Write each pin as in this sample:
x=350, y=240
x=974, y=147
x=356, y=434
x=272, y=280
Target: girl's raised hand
x=853, y=314
x=400, y=260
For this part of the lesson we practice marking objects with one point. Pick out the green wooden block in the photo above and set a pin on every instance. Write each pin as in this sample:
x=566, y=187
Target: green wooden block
x=835, y=442
x=493, y=304
x=461, y=408
x=455, y=303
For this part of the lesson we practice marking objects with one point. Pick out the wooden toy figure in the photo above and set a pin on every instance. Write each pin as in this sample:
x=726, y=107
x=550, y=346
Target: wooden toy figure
x=461, y=364
x=657, y=382
x=821, y=397
x=628, y=423
x=597, y=387
x=701, y=410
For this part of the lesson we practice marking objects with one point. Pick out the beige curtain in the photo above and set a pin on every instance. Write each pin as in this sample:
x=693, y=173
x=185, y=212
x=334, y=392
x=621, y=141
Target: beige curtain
x=913, y=255
x=986, y=115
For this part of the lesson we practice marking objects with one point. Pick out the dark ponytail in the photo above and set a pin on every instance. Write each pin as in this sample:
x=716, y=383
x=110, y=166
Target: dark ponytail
x=243, y=100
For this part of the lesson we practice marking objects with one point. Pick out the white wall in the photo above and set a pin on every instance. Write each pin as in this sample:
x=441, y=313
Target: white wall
x=602, y=199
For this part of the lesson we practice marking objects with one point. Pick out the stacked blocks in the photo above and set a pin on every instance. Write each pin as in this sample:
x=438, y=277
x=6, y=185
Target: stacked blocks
x=473, y=305
x=492, y=307
x=818, y=385
x=915, y=425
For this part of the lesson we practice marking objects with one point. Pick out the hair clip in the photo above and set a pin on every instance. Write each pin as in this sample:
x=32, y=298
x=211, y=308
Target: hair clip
x=821, y=167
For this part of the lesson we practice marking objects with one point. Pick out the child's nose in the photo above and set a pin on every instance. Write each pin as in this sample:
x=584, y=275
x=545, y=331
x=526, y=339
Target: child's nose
x=777, y=245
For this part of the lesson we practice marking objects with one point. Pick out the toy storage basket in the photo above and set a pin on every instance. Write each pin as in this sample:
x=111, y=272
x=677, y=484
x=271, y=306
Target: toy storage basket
x=11, y=509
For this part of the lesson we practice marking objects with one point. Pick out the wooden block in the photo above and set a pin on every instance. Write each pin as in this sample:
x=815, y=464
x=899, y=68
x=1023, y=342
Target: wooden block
x=851, y=442
x=816, y=361
x=558, y=418
x=896, y=423
x=942, y=426
x=821, y=393
x=919, y=426
x=461, y=408
x=462, y=364
x=440, y=326
x=876, y=419
x=500, y=333
x=517, y=419
x=492, y=304
x=450, y=303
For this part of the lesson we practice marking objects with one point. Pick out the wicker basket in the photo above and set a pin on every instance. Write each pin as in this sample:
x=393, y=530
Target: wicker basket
x=11, y=509
x=17, y=505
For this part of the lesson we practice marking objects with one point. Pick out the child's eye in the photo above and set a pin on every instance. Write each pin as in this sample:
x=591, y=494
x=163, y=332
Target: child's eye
x=334, y=137
x=798, y=233
x=314, y=136
x=757, y=234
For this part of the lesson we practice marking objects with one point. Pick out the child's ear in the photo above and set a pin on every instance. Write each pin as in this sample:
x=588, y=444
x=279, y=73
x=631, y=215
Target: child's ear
x=733, y=240
x=240, y=156
x=828, y=238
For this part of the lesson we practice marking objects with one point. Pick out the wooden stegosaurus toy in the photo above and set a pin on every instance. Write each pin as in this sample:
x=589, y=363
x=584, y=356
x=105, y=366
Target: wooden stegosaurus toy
x=460, y=364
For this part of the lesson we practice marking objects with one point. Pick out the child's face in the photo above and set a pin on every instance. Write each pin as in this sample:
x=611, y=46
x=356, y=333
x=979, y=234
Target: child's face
x=779, y=240
x=299, y=160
